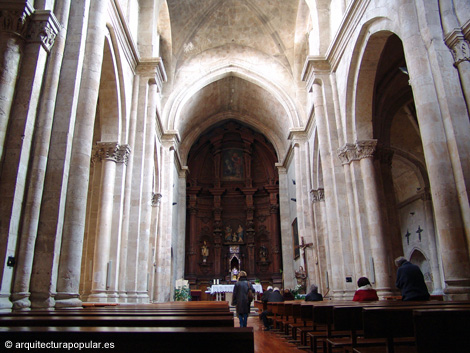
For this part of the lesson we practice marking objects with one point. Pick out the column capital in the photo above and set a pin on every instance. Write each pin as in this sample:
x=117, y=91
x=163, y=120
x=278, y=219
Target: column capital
x=360, y=150
x=43, y=29
x=317, y=195
x=110, y=151
x=458, y=45
x=314, y=68
x=153, y=69
x=156, y=198
x=15, y=17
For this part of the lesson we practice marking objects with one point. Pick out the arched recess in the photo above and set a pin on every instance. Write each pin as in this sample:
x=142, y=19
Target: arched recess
x=100, y=258
x=178, y=100
x=383, y=108
x=233, y=205
x=418, y=258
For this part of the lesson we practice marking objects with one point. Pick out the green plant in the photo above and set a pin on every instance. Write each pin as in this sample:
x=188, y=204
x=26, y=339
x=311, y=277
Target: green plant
x=182, y=294
x=296, y=292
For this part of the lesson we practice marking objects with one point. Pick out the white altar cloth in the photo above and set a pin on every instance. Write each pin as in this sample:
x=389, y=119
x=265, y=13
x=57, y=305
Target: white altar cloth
x=228, y=288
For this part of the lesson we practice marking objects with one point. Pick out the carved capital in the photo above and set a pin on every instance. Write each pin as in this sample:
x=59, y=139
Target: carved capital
x=156, y=198
x=366, y=148
x=459, y=46
x=15, y=17
x=110, y=151
x=318, y=195
x=355, y=152
x=347, y=153
x=43, y=29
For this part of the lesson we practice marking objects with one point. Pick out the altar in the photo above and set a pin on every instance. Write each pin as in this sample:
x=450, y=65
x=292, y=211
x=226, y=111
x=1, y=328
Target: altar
x=218, y=289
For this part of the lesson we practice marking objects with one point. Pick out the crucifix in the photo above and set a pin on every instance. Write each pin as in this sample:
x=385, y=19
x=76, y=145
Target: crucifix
x=303, y=246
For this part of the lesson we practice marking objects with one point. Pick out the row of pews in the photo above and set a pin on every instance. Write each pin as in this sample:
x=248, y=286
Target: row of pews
x=373, y=327
x=163, y=327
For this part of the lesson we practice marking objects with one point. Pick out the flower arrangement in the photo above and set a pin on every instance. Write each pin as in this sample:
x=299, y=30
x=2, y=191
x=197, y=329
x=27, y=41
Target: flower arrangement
x=182, y=294
x=296, y=292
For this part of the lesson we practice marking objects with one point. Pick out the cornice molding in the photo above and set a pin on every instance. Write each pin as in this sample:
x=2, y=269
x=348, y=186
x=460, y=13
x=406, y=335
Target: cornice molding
x=123, y=34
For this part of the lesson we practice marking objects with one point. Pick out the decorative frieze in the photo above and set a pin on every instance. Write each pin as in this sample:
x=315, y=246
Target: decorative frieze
x=318, y=195
x=459, y=47
x=355, y=152
x=43, y=29
x=110, y=151
x=15, y=17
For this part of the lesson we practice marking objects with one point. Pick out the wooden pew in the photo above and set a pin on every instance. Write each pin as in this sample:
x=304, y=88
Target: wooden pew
x=122, y=321
x=133, y=339
x=442, y=330
x=397, y=321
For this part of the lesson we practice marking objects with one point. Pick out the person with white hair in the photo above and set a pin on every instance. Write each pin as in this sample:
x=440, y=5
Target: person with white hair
x=274, y=297
x=410, y=281
x=313, y=295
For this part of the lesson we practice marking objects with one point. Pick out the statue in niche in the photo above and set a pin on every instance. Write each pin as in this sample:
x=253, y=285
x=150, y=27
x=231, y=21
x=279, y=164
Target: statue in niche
x=228, y=234
x=240, y=234
x=263, y=253
x=204, y=252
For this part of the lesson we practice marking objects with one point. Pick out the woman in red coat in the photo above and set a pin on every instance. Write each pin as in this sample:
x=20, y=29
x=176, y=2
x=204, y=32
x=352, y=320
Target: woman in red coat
x=365, y=292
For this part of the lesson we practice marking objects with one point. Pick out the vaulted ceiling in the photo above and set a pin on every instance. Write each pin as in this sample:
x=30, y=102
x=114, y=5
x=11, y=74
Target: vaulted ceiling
x=234, y=59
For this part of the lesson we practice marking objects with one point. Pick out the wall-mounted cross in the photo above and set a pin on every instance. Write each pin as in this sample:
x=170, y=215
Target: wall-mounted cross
x=407, y=235
x=303, y=246
x=419, y=231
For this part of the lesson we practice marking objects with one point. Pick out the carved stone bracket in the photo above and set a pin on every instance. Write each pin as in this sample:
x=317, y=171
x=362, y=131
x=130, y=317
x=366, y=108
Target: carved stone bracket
x=43, y=29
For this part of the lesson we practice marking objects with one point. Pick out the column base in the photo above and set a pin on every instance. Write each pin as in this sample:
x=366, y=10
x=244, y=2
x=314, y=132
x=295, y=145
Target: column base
x=21, y=301
x=42, y=301
x=457, y=289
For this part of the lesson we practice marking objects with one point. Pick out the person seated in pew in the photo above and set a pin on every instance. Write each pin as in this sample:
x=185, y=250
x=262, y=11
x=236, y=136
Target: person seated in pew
x=287, y=295
x=410, y=281
x=365, y=292
x=264, y=297
x=274, y=297
x=313, y=295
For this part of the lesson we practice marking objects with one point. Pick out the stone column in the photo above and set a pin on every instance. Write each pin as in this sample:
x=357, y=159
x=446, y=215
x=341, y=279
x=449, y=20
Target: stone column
x=128, y=194
x=357, y=246
x=164, y=284
x=365, y=151
x=321, y=260
x=336, y=274
x=74, y=219
x=458, y=44
x=15, y=17
x=436, y=274
x=286, y=230
x=156, y=201
x=20, y=295
x=105, y=156
x=41, y=34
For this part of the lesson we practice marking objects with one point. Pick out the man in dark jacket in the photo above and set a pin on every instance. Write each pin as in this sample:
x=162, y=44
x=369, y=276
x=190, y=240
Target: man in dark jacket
x=410, y=281
x=313, y=295
x=274, y=297
x=240, y=298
